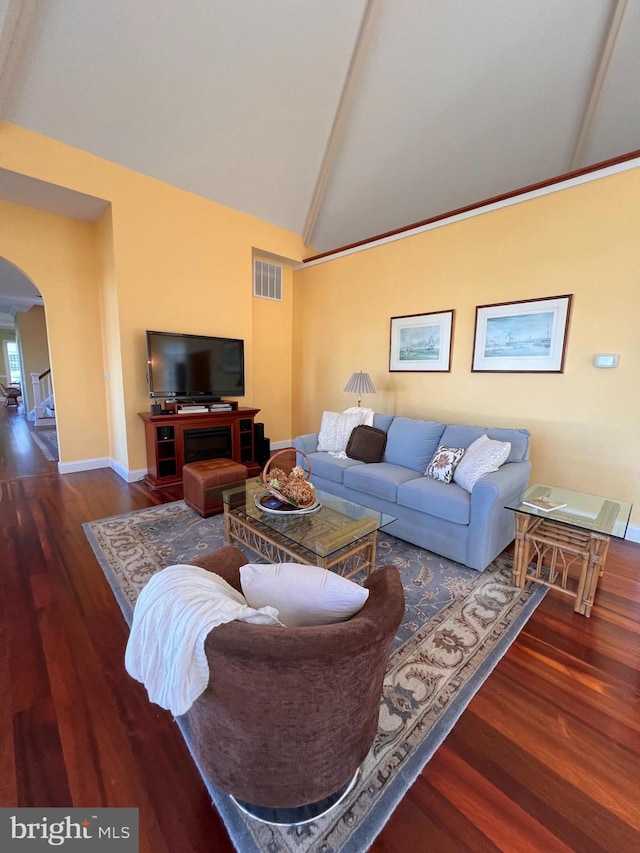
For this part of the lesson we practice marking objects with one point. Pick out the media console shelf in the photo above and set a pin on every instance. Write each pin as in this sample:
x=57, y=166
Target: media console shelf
x=175, y=439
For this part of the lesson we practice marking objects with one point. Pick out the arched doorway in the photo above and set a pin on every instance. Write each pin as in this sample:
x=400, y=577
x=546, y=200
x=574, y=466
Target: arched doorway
x=23, y=331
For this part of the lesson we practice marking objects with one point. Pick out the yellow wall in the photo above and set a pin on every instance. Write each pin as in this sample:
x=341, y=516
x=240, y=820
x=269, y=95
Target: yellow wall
x=164, y=259
x=112, y=361
x=59, y=255
x=31, y=329
x=272, y=323
x=584, y=240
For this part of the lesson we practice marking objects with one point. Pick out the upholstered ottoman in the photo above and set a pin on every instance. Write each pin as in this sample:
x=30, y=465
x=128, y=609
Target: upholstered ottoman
x=198, y=477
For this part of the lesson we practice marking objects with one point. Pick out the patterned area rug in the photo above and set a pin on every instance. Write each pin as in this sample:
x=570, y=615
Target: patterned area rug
x=458, y=624
x=47, y=441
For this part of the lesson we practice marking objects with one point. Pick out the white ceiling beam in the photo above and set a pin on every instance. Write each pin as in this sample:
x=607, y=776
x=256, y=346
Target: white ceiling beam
x=598, y=83
x=352, y=79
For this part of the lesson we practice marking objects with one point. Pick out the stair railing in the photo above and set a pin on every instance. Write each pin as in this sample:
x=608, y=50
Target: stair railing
x=42, y=392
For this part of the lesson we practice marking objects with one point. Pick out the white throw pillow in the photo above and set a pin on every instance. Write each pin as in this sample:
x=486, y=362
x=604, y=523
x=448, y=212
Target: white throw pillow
x=482, y=457
x=302, y=595
x=335, y=429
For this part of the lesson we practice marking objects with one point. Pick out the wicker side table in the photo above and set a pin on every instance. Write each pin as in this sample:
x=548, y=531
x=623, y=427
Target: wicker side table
x=566, y=548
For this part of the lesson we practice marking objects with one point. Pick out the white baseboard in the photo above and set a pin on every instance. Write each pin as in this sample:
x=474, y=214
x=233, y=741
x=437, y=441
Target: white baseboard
x=633, y=533
x=93, y=464
x=280, y=445
x=83, y=465
x=128, y=476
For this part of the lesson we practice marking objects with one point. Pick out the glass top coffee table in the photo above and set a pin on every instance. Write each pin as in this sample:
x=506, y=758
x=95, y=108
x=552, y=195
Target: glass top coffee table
x=340, y=535
x=561, y=533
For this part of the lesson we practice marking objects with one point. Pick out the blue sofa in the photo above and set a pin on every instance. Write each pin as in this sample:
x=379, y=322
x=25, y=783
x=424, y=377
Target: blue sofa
x=471, y=529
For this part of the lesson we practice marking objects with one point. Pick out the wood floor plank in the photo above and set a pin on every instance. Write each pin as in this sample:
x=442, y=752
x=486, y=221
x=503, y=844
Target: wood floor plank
x=552, y=794
x=8, y=778
x=428, y=820
x=563, y=740
x=41, y=773
x=545, y=757
x=505, y=821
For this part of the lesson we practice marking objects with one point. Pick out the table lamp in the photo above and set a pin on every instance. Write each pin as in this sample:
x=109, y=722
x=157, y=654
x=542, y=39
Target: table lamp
x=360, y=383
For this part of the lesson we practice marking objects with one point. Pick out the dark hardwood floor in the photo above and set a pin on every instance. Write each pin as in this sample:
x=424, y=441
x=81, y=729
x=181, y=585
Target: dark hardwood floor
x=545, y=758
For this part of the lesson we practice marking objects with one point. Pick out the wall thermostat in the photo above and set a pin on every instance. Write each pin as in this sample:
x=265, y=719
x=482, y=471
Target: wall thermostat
x=605, y=360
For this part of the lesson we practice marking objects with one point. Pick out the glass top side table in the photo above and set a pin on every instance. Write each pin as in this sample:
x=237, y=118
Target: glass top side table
x=561, y=533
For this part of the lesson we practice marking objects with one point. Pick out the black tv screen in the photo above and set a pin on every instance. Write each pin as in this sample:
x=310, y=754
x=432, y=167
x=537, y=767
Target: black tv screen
x=194, y=367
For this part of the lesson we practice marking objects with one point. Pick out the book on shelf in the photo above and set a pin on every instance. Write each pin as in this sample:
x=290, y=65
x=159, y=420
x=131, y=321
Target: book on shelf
x=544, y=504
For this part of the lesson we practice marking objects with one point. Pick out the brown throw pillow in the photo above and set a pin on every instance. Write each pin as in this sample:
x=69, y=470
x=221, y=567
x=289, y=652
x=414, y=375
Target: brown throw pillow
x=366, y=444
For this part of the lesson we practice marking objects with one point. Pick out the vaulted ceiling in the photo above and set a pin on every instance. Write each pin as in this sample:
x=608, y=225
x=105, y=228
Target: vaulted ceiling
x=336, y=119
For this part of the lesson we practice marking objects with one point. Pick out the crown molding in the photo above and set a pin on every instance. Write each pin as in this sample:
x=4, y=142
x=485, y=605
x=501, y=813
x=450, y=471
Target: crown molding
x=561, y=182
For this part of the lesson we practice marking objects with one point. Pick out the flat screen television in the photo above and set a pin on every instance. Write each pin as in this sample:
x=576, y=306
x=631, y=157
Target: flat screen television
x=194, y=367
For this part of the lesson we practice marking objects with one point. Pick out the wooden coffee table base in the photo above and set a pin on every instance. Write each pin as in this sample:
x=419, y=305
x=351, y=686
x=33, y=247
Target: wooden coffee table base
x=561, y=548
x=359, y=556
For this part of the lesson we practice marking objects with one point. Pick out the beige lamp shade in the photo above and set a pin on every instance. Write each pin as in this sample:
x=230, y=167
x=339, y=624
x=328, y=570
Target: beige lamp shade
x=360, y=383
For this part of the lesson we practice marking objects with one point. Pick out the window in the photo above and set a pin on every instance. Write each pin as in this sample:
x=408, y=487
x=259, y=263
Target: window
x=13, y=363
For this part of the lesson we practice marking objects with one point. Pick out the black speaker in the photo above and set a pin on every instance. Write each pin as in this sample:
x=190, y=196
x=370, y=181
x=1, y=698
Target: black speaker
x=258, y=432
x=262, y=450
x=165, y=433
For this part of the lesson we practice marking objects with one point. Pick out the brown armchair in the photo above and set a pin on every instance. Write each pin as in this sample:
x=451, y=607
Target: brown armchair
x=290, y=713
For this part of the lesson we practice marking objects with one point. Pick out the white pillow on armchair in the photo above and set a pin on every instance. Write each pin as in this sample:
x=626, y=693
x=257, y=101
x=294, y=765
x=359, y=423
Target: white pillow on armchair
x=302, y=595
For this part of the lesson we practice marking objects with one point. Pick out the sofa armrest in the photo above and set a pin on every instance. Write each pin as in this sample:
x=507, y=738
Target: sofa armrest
x=490, y=523
x=500, y=486
x=306, y=443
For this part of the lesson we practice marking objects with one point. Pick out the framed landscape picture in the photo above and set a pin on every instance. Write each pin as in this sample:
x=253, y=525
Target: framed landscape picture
x=421, y=342
x=521, y=337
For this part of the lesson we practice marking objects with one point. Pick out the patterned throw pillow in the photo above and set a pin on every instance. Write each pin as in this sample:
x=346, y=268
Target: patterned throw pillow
x=443, y=463
x=482, y=457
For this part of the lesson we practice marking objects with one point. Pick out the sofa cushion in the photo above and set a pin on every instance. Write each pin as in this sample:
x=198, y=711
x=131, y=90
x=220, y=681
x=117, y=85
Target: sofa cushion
x=302, y=595
x=383, y=422
x=367, y=444
x=379, y=479
x=335, y=429
x=461, y=435
x=518, y=438
x=446, y=501
x=330, y=467
x=412, y=442
x=482, y=457
x=444, y=463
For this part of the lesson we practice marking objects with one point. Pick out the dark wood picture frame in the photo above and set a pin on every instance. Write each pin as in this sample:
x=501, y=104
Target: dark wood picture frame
x=525, y=336
x=421, y=342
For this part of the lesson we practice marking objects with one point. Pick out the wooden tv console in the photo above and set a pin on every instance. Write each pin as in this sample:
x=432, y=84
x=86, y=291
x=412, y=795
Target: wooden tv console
x=165, y=438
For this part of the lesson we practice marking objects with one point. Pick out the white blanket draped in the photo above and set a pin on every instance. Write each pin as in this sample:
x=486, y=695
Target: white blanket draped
x=173, y=615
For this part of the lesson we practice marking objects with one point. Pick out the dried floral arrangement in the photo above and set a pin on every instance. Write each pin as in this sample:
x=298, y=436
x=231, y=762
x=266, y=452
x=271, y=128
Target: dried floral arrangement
x=293, y=488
